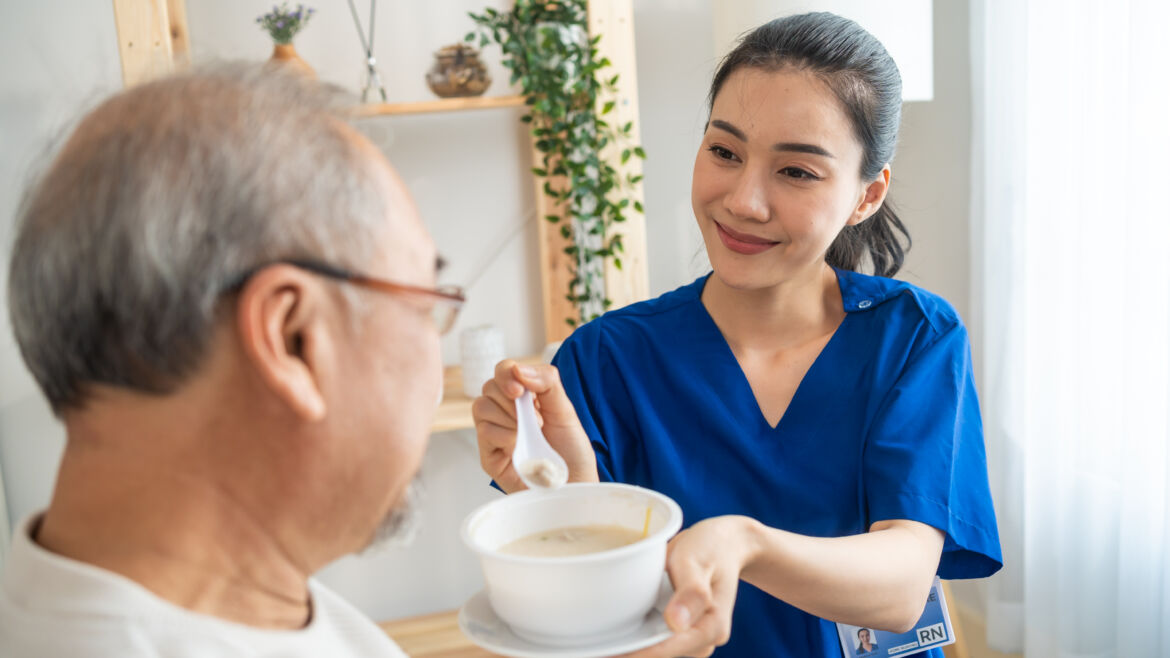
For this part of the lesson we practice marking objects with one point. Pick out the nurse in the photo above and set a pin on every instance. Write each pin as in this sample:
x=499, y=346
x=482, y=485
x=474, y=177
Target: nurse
x=818, y=426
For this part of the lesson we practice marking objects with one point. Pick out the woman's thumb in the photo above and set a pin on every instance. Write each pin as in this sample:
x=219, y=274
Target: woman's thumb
x=545, y=383
x=684, y=608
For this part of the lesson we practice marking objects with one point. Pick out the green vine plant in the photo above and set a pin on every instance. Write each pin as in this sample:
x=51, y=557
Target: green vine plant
x=547, y=48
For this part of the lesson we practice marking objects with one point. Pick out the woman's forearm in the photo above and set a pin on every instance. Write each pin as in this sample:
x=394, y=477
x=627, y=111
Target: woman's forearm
x=879, y=579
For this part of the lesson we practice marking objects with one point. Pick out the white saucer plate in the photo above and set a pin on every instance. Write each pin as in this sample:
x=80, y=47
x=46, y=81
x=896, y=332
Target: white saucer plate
x=480, y=624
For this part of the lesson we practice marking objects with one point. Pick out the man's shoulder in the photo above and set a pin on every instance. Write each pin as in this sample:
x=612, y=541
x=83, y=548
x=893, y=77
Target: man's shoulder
x=51, y=605
x=337, y=629
x=349, y=625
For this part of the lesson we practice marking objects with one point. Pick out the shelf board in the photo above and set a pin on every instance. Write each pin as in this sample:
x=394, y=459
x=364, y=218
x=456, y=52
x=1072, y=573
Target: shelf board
x=440, y=105
x=435, y=635
x=454, y=412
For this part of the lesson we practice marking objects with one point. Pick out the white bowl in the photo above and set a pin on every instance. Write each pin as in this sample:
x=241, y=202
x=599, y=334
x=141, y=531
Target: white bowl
x=568, y=601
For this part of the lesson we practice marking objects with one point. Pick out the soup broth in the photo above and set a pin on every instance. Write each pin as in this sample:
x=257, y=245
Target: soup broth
x=574, y=540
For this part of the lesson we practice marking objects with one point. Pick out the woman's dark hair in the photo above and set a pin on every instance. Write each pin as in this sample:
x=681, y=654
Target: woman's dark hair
x=863, y=76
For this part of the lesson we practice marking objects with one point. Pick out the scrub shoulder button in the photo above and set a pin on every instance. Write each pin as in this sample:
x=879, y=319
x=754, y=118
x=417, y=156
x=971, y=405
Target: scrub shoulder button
x=865, y=303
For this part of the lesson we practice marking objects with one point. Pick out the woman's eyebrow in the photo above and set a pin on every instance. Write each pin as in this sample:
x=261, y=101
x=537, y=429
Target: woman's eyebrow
x=781, y=146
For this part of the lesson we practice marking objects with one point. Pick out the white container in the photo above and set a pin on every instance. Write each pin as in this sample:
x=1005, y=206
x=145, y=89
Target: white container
x=581, y=599
x=480, y=349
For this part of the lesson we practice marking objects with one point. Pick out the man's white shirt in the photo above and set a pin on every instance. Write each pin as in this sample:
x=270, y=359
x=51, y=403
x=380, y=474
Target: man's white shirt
x=52, y=606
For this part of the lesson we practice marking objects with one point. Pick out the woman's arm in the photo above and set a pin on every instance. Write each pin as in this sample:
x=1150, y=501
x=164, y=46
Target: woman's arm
x=879, y=579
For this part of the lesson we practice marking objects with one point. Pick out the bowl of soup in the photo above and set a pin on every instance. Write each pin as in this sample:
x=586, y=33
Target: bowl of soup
x=575, y=565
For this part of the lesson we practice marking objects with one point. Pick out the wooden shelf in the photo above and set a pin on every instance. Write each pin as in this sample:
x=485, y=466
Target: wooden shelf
x=454, y=412
x=433, y=636
x=441, y=105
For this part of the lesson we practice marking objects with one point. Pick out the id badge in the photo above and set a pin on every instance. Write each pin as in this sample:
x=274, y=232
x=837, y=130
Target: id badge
x=932, y=630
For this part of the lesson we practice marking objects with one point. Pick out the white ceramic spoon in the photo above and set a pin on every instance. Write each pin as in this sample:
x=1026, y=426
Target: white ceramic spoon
x=539, y=466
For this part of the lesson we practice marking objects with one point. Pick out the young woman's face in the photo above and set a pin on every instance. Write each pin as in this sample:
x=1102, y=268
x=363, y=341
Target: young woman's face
x=776, y=177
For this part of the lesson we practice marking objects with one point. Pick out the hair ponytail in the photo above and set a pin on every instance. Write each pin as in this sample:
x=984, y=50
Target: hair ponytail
x=877, y=240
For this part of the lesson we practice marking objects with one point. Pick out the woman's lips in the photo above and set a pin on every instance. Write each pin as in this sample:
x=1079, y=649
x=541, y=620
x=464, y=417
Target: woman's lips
x=742, y=243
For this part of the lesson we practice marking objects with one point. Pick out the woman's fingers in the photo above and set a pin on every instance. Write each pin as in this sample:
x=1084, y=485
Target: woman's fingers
x=545, y=383
x=494, y=413
x=700, y=640
x=705, y=576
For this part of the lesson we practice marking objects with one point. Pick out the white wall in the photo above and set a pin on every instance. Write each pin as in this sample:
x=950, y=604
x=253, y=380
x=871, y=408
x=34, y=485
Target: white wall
x=467, y=173
x=54, y=61
x=932, y=170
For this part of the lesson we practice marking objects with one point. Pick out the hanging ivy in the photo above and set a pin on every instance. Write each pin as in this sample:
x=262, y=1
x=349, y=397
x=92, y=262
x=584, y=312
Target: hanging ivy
x=547, y=48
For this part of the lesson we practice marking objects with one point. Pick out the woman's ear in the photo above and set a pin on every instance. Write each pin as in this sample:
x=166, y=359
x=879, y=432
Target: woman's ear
x=872, y=197
x=281, y=320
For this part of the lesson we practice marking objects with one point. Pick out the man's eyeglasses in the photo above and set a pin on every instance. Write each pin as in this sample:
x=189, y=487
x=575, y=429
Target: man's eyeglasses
x=448, y=299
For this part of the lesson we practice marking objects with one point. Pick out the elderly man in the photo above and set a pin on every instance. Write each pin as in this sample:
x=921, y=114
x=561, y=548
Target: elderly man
x=227, y=296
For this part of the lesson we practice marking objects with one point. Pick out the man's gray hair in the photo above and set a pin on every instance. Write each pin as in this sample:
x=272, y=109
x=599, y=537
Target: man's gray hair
x=161, y=198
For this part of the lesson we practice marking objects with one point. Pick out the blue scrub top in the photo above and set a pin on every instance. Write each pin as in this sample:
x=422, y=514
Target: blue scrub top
x=885, y=425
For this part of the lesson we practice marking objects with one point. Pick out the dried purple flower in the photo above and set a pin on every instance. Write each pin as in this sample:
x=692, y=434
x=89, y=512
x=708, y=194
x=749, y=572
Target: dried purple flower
x=282, y=23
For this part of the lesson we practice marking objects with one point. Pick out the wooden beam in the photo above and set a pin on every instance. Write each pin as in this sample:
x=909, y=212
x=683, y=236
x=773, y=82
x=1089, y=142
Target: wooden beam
x=144, y=39
x=614, y=21
x=554, y=262
x=180, y=37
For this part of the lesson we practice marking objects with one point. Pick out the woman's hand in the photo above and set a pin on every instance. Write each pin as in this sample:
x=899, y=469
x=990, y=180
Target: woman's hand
x=704, y=563
x=495, y=423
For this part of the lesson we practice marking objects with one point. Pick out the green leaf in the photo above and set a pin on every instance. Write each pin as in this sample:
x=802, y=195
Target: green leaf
x=470, y=36
x=608, y=107
x=638, y=207
x=613, y=81
x=552, y=219
x=639, y=152
x=566, y=232
x=539, y=172
x=625, y=155
x=617, y=262
x=634, y=180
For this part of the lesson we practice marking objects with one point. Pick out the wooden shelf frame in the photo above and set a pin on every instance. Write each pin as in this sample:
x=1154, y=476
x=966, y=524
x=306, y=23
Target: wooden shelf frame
x=438, y=106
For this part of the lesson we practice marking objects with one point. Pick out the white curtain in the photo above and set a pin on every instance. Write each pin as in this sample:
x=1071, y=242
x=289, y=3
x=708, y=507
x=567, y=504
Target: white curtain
x=1071, y=232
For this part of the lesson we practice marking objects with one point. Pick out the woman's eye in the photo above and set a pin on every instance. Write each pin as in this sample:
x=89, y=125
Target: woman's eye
x=721, y=153
x=798, y=173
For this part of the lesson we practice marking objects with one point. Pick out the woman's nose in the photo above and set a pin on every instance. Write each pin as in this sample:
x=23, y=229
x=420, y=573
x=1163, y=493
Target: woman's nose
x=747, y=198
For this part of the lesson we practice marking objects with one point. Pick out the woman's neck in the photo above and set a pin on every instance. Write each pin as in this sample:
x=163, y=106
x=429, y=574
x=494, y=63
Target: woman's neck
x=788, y=314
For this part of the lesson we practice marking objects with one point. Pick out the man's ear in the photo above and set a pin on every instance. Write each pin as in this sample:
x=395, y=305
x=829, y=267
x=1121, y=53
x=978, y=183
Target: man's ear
x=872, y=197
x=281, y=313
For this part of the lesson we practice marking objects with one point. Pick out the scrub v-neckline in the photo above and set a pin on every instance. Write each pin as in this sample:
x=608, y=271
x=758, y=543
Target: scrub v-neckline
x=746, y=385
